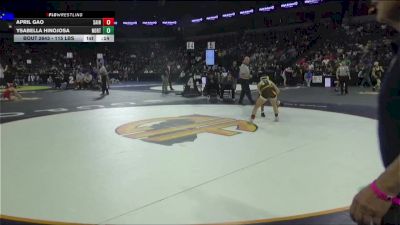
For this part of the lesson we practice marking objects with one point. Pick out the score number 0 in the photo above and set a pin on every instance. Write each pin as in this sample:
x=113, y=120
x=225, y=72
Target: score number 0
x=108, y=21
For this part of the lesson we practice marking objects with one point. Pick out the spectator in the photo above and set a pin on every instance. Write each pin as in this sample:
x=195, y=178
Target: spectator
x=1, y=76
x=288, y=72
x=308, y=77
x=37, y=79
x=377, y=72
x=9, y=73
x=57, y=77
x=228, y=83
x=212, y=85
x=49, y=80
x=87, y=80
x=79, y=79
x=365, y=75
x=71, y=81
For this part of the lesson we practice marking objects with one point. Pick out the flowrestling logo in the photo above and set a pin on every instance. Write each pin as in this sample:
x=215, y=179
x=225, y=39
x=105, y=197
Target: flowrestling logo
x=172, y=130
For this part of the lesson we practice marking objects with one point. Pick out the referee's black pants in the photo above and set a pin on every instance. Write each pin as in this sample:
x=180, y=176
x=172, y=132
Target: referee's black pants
x=104, y=86
x=245, y=91
x=170, y=83
x=344, y=83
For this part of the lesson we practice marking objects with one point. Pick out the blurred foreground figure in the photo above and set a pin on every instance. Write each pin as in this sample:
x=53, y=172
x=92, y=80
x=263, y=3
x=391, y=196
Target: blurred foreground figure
x=379, y=203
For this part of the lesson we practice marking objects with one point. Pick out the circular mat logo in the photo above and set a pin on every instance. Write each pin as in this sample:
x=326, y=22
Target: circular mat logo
x=172, y=130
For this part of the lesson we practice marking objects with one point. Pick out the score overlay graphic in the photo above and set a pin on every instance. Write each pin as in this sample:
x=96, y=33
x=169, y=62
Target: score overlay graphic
x=64, y=27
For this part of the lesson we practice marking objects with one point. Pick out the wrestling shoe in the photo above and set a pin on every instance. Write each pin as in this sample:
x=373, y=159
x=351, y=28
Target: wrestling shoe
x=252, y=118
x=262, y=114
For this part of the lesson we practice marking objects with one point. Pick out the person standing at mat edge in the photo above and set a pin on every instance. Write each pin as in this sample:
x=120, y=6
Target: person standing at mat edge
x=105, y=80
x=244, y=75
x=343, y=76
x=164, y=79
x=1, y=75
x=377, y=72
x=379, y=203
x=169, y=75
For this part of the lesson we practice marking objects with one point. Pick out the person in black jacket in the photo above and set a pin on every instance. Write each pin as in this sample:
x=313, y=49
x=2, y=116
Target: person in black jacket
x=212, y=85
x=228, y=83
x=169, y=75
x=57, y=77
x=365, y=75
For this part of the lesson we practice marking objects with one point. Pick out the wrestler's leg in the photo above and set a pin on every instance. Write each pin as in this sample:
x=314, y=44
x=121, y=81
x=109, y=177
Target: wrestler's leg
x=274, y=104
x=15, y=93
x=260, y=102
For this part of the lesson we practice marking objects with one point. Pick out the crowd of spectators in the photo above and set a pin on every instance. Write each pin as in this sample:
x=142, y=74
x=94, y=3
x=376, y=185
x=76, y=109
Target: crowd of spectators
x=33, y=63
x=295, y=56
x=289, y=56
x=358, y=46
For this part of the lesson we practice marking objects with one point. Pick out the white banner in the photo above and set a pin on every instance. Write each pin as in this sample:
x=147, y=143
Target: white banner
x=317, y=79
x=211, y=45
x=190, y=45
x=328, y=82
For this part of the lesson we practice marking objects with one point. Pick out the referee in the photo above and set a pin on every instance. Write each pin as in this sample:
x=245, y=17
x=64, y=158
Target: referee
x=105, y=80
x=343, y=76
x=379, y=203
x=244, y=78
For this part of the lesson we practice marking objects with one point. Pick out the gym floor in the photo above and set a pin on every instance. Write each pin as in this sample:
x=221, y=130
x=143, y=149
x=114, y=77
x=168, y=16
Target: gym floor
x=139, y=157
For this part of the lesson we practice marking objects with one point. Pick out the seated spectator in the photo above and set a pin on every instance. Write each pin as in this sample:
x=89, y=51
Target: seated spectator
x=71, y=82
x=182, y=74
x=79, y=80
x=87, y=80
x=31, y=79
x=228, y=84
x=49, y=80
x=212, y=85
x=57, y=77
x=114, y=81
x=1, y=76
x=37, y=79
x=125, y=76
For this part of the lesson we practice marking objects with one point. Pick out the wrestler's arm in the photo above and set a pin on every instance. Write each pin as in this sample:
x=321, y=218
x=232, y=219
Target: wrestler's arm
x=276, y=88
